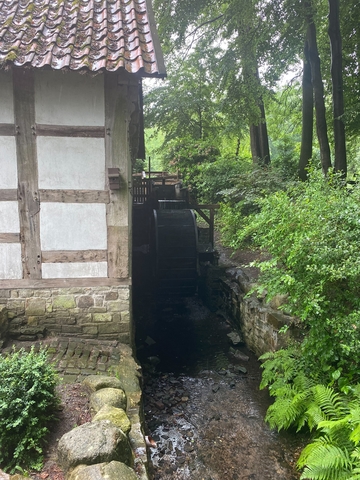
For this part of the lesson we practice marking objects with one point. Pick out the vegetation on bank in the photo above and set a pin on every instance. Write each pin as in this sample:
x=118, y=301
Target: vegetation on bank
x=260, y=95
x=27, y=404
x=311, y=231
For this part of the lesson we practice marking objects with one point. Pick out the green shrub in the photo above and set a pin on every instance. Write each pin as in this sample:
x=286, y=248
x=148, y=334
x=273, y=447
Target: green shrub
x=27, y=401
x=311, y=232
x=186, y=156
x=241, y=201
x=332, y=415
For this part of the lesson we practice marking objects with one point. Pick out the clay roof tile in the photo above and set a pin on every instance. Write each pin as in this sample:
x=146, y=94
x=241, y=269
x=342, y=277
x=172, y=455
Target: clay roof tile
x=79, y=34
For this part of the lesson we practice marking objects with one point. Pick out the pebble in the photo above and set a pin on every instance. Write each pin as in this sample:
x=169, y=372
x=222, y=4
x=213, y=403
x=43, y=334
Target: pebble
x=240, y=369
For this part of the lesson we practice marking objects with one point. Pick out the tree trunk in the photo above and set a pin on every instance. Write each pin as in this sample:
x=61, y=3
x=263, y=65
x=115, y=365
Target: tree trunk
x=237, y=147
x=321, y=127
x=307, y=116
x=340, y=163
x=259, y=140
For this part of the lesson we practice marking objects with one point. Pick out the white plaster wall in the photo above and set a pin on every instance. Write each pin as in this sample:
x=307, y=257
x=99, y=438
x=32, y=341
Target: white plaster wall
x=71, y=163
x=69, y=99
x=70, y=226
x=9, y=217
x=10, y=265
x=8, y=163
x=6, y=98
x=74, y=270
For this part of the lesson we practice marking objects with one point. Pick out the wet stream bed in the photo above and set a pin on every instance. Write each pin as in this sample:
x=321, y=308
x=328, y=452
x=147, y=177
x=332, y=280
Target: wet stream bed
x=203, y=407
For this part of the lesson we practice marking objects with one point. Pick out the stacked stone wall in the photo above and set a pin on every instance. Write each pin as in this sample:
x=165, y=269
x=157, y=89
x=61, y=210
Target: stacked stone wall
x=4, y=325
x=260, y=322
x=88, y=312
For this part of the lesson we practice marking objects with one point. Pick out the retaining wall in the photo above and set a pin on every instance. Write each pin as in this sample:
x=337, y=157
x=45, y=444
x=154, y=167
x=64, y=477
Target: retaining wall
x=226, y=290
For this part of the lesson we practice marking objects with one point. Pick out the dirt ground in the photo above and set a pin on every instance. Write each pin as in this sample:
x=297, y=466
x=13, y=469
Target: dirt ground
x=73, y=411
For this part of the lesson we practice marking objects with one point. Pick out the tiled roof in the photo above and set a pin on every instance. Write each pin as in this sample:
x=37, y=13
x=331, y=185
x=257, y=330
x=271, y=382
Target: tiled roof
x=80, y=34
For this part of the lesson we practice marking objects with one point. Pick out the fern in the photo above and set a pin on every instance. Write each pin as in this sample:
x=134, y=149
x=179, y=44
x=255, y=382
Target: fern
x=279, y=368
x=329, y=401
x=335, y=454
x=325, y=461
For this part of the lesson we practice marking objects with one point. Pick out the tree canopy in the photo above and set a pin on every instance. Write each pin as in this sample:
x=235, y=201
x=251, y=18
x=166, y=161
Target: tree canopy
x=227, y=61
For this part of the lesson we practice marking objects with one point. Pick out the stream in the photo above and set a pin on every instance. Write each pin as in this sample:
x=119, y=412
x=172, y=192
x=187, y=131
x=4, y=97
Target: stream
x=203, y=408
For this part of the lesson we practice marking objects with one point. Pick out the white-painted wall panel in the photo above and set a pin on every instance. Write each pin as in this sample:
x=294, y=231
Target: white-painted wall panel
x=74, y=270
x=9, y=217
x=8, y=163
x=6, y=98
x=70, y=226
x=71, y=163
x=69, y=99
x=10, y=265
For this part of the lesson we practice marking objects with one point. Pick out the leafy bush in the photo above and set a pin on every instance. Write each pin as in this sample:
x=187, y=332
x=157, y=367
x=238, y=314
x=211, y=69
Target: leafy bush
x=242, y=199
x=334, y=416
x=186, y=156
x=27, y=401
x=311, y=232
x=216, y=179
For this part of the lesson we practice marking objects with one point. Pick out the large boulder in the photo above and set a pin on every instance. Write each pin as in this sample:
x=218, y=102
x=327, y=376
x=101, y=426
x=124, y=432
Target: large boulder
x=103, y=471
x=96, y=382
x=117, y=417
x=108, y=396
x=130, y=373
x=94, y=443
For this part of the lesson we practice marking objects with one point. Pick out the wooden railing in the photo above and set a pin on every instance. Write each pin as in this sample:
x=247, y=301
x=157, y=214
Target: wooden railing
x=209, y=219
x=142, y=188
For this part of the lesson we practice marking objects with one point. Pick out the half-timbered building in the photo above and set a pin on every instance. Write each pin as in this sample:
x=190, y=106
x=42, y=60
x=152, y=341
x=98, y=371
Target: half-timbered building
x=70, y=127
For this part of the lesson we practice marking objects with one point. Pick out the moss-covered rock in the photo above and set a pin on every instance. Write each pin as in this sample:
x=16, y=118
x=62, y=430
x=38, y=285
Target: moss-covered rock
x=114, y=397
x=117, y=417
x=96, y=382
x=103, y=471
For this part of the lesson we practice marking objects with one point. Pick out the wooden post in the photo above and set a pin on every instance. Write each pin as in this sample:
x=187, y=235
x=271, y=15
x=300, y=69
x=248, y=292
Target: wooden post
x=211, y=227
x=28, y=195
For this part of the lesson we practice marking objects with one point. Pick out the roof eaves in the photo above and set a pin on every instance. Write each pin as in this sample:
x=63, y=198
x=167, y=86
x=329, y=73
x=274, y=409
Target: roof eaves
x=161, y=70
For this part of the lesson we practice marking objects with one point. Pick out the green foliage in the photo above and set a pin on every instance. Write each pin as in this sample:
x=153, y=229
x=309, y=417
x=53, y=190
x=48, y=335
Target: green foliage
x=153, y=143
x=27, y=400
x=187, y=104
x=334, y=454
x=215, y=179
x=187, y=157
x=242, y=198
x=334, y=416
x=311, y=232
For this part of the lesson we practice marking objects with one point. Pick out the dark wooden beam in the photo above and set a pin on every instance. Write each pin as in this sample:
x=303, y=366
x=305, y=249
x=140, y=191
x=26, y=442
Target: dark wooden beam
x=70, y=256
x=8, y=195
x=9, y=238
x=117, y=156
x=64, y=283
x=29, y=202
x=7, y=130
x=69, y=131
x=74, y=196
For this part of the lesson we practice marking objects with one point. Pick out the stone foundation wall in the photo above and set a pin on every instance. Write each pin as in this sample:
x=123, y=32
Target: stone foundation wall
x=4, y=324
x=88, y=312
x=226, y=289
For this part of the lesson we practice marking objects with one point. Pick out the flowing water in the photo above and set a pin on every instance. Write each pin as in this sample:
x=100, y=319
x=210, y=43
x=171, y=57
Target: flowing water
x=203, y=407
